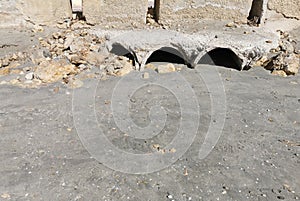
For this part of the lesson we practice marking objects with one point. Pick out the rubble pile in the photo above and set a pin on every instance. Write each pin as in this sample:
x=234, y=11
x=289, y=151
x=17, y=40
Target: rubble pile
x=284, y=60
x=61, y=57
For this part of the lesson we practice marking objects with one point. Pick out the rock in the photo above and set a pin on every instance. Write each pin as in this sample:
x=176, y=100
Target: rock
x=286, y=46
x=231, y=24
x=56, y=35
x=51, y=41
x=5, y=196
x=150, y=66
x=77, y=59
x=77, y=45
x=22, y=55
x=5, y=62
x=52, y=71
x=151, y=21
x=146, y=75
x=68, y=41
x=274, y=62
x=62, y=26
x=4, y=71
x=44, y=43
x=37, y=29
x=166, y=68
x=3, y=82
x=296, y=45
x=14, y=57
x=291, y=64
x=14, y=81
x=17, y=71
x=125, y=70
x=279, y=72
x=76, y=84
x=13, y=64
x=39, y=55
x=95, y=58
x=61, y=41
x=94, y=47
x=29, y=76
x=46, y=53
x=110, y=69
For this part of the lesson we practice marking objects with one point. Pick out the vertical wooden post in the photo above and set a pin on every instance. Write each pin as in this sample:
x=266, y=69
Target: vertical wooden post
x=156, y=9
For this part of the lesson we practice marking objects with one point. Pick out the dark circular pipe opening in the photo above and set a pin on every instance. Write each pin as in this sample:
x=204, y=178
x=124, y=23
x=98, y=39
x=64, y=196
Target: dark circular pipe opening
x=166, y=54
x=222, y=57
x=119, y=50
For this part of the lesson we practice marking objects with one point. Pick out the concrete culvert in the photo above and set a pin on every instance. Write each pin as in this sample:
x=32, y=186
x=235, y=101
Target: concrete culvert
x=222, y=57
x=119, y=50
x=167, y=55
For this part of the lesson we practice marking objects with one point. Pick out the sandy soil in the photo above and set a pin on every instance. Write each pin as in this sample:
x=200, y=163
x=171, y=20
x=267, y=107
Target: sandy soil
x=256, y=157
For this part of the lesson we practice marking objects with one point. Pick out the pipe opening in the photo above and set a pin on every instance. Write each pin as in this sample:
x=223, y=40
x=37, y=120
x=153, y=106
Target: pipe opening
x=255, y=13
x=119, y=50
x=166, y=54
x=222, y=57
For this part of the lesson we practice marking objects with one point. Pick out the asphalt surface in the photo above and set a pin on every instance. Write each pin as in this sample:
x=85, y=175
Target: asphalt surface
x=255, y=158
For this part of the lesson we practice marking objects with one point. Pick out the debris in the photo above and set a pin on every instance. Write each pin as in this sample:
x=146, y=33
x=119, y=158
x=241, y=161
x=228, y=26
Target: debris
x=75, y=84
x=5, y=196
x=166, y=68
x=290, y=143
x=146, y=75
x=127, y=68
x=279, y=72
x=29, y=76
x=231, y=24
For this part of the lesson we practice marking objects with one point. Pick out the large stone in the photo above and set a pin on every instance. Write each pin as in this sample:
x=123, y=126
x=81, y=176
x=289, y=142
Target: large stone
x=52, y=71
